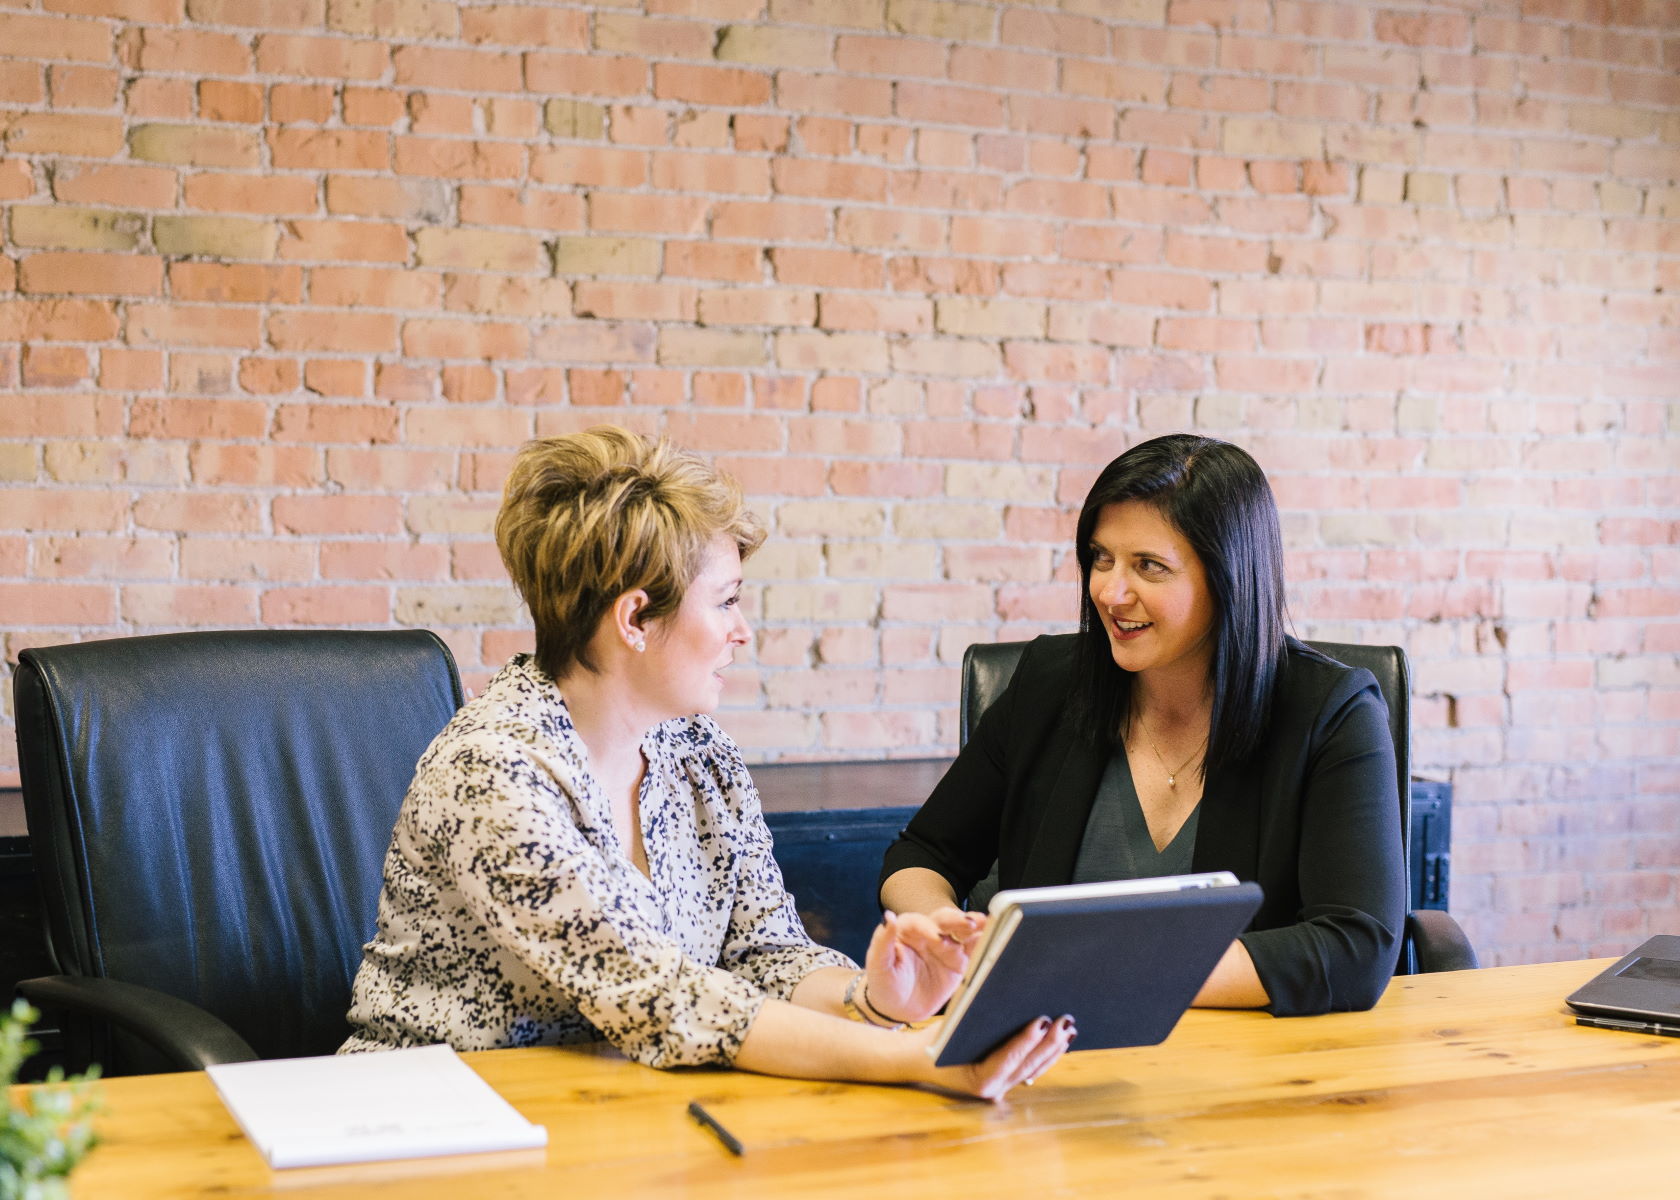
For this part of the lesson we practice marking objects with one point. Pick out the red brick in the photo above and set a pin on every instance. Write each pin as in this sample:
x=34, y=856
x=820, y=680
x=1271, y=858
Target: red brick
x=713, y=260
x=757, y=306
x=889, y=228
x=775, y=221
x=123, y=186
x=21, y=83
x=491, y=340
x=309, y=103
x=532, y=208
x=841, y=311
x=89, y=557
x=723, y=173
x=190, y=51
x=585, y=74
x=620, y=213
x=314, y=57
x=57, y=604
x=198, y=512
x=942, y=104
x=403, y=383
x=598, y=341
x=262, y=194
x=329, y=149
x=374, y=287
x=362, y=106
x=130, y=370
x=826, y=268
x=710, y=432
x=338, y=332
x=56, y=38
x=601, y=166
x=239, y=559
x=469, y=384
x=458, y=427
x=225, y=100
x=901, y=479
x=525, y=25
x=397, y=199
x=390, y=469
x=54, y=366
x=446, y=67
x=219, y=464
x=157, y=98
x=241, y=283
x=57, y=320
x=80, y=135
x=843, y=94
x=336, y=377
x=337, y=514
x=315, y=424
x=642, y=125
x=329, y=605
x=727, y=86
x=99, y=274
x=1438, y=30
x=63, y=509
x=193, y=325
x=379, y=560
x=458, y=158
x=829, y=180
x=333, y=241
x=893, y=57
x=503, y=295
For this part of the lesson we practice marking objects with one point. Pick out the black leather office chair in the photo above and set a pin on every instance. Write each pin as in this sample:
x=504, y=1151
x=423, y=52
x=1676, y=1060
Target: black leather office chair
x=209, y=814
x=1433, y=940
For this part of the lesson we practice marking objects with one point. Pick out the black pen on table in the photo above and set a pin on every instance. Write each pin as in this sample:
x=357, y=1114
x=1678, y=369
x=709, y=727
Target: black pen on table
x=729, y=1140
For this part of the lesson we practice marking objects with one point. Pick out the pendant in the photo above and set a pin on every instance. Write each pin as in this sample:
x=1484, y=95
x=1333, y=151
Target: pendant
x=1172, y=781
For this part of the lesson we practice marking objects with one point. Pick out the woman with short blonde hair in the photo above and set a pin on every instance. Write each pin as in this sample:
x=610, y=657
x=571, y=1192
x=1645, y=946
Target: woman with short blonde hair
x=588, y=517
x=581, y=854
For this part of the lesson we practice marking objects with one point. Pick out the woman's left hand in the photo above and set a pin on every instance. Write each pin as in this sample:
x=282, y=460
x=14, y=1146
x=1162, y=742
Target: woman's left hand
x=916, y=960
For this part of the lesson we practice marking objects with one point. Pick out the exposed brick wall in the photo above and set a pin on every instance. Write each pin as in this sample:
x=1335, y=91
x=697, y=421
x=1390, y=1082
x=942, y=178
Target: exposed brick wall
x=283, y=284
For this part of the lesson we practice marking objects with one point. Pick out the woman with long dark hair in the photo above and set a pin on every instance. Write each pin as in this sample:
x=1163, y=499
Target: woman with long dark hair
x=1182, y=729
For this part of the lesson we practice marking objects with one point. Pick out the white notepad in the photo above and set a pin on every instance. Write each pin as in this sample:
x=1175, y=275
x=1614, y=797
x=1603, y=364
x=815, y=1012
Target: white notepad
x=416, y=1103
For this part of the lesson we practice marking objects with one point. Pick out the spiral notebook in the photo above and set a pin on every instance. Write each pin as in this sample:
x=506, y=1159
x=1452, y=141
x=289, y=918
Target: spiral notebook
x=1125, y=959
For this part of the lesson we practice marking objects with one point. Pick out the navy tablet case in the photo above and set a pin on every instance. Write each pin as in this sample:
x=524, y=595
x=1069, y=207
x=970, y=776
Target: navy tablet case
x=1126, y=967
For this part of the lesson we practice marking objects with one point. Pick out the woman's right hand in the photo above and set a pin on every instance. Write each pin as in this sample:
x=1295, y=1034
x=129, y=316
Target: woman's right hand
x=1022, y=1059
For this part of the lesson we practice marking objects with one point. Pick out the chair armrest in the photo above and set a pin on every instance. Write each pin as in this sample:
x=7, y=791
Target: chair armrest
x=1439, y=942
x=190, y=1038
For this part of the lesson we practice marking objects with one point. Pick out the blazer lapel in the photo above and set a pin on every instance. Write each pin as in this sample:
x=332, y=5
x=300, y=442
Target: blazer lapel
x=1228, y=831
x=1065, y=809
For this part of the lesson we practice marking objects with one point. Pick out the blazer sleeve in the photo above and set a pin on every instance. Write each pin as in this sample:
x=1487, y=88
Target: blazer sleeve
x=1341, y=951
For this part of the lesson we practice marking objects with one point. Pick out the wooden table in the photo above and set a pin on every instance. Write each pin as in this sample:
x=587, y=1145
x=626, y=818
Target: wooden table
x=1469, y=1084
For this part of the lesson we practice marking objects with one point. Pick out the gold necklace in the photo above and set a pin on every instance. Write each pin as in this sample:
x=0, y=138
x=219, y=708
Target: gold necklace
x=1172, y=774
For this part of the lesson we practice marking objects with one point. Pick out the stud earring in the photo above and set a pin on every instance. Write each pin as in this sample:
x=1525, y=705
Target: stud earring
x=639, y=645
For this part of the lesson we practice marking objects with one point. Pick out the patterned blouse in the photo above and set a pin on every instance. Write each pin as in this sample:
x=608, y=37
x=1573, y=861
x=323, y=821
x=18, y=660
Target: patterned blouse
x=511, y=914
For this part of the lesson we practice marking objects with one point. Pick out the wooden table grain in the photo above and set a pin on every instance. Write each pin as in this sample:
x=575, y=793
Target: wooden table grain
x=1474, y=1084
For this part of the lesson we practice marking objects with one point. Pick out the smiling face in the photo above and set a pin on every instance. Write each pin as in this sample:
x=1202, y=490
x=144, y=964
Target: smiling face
x=1151, y=592
x=687, y=650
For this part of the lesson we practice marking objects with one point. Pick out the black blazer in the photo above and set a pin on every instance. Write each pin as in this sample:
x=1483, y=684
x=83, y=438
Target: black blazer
x=1312, y=817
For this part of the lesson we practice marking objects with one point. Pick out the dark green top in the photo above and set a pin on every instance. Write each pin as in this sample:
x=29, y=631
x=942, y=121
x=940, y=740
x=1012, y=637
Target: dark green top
x=1117, y=844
